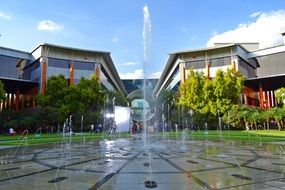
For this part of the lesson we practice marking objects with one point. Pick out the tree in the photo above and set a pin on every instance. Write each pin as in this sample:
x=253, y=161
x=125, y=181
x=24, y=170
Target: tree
x=227, y=89
x=234, y=116
x=56, y=91
x=278, y=114
x=192, y=91
x=86, y=98
x=280, y=96
x=209, y=96
x=2, y=91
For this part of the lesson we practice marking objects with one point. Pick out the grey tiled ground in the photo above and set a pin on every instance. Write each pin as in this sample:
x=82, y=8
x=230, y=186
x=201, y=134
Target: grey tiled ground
x=128, y=163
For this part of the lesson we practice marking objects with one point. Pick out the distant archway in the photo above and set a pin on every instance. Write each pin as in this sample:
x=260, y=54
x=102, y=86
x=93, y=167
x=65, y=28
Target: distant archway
x=142, y=106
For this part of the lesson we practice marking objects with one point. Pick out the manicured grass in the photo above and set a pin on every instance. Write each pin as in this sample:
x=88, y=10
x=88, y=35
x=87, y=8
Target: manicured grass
x=251, y=136
x=244, y=136
x=55, y=138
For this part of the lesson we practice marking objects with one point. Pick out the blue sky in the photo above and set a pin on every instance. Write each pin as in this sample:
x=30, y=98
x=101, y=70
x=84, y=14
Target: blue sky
x=116, y=26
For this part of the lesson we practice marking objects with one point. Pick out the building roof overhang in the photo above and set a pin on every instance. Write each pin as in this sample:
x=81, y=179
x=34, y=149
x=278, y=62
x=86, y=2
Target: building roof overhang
x=269, y=83
x=14, y=85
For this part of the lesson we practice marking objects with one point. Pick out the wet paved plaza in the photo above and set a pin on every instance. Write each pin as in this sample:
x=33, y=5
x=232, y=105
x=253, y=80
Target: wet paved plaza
x=129, y=163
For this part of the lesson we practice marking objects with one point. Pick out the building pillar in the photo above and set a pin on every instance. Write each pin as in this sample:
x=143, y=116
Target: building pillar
x=17, y=100
x=44, y=77
x=71, y=74
x=208, y=74
x=270, y=99
x=266, y=99
x=261, y=100
x=97, y=72
x=233, y=64
x=183, y=72
x=8, y=101
x=274, y=99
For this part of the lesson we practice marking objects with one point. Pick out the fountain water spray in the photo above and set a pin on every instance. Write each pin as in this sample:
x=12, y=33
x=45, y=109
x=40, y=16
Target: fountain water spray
x=146, y=34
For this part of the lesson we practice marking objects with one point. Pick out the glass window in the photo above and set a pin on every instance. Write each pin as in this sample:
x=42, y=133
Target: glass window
x=8, y=66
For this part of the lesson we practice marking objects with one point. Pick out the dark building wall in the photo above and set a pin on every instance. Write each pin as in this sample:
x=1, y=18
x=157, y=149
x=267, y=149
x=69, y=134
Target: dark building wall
x=271, y=65
x=8, y=66
x=132, y=85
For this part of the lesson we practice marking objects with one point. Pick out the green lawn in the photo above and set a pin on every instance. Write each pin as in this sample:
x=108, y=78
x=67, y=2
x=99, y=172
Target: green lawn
x=251, y=136
x=51, y=138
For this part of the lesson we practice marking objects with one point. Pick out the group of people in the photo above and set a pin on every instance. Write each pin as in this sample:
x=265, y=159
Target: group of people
x=136, y=127
x=111, y=127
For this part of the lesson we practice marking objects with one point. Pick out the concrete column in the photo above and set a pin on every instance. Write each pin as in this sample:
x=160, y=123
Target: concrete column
x=44, y=77
x=97, y=72
x=266, y=99
x=246, y=100
x=233, y=64
x=182, y=72
x=207, y=73
x=261, y=100
x=71, y=74
x=269, y=99
x=274, y=98
x=8, y=101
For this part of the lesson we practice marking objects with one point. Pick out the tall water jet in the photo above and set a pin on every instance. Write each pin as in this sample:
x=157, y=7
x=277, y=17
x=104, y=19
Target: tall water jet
x=146, y=34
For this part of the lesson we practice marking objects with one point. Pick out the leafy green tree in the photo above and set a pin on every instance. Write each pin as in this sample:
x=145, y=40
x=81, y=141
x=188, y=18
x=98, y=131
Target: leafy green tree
x=192, y=92
x=86, y=98
x=254, y=118
x=227, y=88
x=56, y=90
x=209, y=96
x=279, y=115
x=2, y=91
x=280, y=96
x=245, y=114
x=54, y=98
x=234, y=117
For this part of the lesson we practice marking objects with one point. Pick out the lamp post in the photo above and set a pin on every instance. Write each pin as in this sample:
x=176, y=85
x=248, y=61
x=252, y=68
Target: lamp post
x=191, y=114
x=219, y=120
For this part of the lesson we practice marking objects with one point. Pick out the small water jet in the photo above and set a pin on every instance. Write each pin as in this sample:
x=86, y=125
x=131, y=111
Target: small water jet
x=58, y=179
x=150, y=184
x=241, y=176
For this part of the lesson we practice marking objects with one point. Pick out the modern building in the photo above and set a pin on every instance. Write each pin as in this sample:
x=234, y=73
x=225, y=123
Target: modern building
x=25, y=74
x=141, y=98
x=264, y=69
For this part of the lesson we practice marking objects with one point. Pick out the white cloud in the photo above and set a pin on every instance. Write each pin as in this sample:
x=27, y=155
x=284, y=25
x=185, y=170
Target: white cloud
x=254, y=15
x=155, y=75
x=265, y=29
x=138, y=74
x=115, y=40
x=129, y=63
x=4, y=15
x=49, y=25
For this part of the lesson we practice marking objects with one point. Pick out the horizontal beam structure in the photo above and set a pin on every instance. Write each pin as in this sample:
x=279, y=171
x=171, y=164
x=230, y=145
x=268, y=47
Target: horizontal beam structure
x=14, y=85
x=274, y=82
